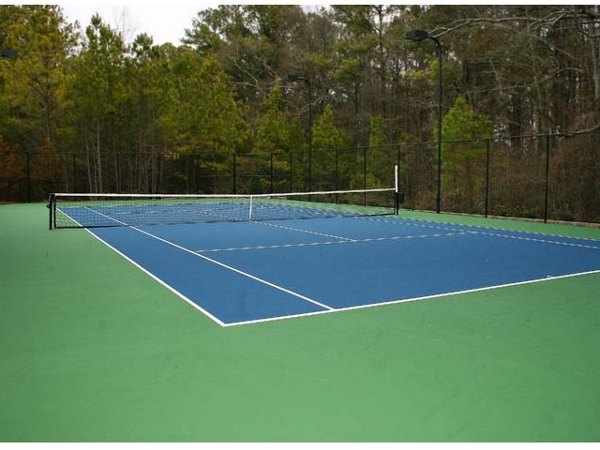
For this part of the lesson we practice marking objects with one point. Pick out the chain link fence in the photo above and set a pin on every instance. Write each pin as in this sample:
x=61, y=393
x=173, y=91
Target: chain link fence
x=547, y=177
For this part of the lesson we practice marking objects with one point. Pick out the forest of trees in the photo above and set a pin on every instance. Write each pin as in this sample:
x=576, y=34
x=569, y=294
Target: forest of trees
x=84, y=108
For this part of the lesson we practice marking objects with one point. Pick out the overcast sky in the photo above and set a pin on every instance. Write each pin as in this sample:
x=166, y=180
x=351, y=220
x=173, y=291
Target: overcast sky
x=165, y=22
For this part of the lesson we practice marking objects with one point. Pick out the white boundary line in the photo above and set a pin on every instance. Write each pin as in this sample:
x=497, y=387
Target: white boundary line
x=165, y=284
x=349, y=241
x=154, y=277
x=428, y=223
x=328, y=309
x=543, y=241
x=225, y=266
x=240, y=272
x=456, y=227
x=301, y=230
x=415, y=299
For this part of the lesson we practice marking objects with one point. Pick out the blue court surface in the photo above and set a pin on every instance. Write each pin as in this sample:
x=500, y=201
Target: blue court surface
x=253, y=271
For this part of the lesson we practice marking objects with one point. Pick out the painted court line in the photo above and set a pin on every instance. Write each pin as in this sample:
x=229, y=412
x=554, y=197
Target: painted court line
x=543, y=241
x=349, y=241
x=426, y=223
x=154, y=277
x=327, y=309
x=301, y=230
x=415, y=299
x=225, y=266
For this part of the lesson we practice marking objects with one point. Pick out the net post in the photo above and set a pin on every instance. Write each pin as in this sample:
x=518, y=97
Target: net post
x=51, y=208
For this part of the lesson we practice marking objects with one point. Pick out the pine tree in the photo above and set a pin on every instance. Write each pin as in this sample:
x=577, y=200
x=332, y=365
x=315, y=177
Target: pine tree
x=326, y=138
x=462, y=167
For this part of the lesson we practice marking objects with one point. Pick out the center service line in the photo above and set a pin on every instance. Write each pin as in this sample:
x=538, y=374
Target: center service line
x=218, y=263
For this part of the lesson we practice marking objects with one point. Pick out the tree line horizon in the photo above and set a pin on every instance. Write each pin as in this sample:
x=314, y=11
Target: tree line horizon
x=224, y=89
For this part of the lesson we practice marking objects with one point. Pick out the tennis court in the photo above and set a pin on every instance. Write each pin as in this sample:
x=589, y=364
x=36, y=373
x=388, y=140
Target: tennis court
x=97, y=344
x=238, y=269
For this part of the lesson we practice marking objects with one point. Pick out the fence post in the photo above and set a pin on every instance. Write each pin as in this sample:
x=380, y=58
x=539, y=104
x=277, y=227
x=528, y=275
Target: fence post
x=28, y=178
x=337, y=174
x=74, y=187
x=398, y=156
x=487, y=177
x=234, y=175
x=291, y=171
x=365, y=174
x=337, y=170
x=547, y=178
x=271, y=174
x=117, y=173
x=195, y=172
x=310, y=168
x=155, y=170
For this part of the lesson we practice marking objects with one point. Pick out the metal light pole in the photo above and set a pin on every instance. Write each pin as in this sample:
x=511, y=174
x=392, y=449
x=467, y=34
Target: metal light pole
x=417, y=36
x=292, y=78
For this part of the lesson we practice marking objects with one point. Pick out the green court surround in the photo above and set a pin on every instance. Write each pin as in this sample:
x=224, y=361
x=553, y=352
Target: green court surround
x=92, y=349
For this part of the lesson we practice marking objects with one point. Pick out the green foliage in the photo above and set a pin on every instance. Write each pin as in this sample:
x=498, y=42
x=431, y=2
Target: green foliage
x=382, y=157
x=377, y=136
x=462, y=123
x=98, y=87
x=12, y=169
x=529, y=69
x=463, y=172
x=35, y=82
x=212, y=27
x=277, y=132
x=205, y=116
x=325, y=133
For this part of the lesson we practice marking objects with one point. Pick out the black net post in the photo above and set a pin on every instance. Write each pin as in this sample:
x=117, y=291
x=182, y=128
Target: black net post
x=51, y=212
x=398, y=198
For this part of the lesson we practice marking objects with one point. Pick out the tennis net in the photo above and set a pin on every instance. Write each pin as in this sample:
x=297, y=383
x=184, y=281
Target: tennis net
x=110, y=210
